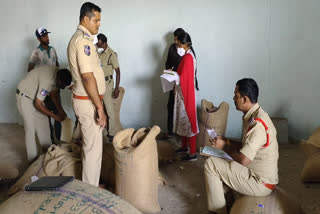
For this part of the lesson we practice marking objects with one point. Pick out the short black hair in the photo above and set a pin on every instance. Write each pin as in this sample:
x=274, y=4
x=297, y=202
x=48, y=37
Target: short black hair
x=178, y=32
x=248, y=87
x=102, y=37
x=87, y=9
x=64, y=76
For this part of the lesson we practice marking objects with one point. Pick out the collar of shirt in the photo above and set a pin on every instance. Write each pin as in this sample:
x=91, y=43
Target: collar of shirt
x=85, y=31
x=250, y=112
x=44, y=50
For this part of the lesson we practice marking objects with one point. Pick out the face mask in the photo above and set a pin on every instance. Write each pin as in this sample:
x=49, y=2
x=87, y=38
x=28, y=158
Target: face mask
x=100, y=50
x=181, y=51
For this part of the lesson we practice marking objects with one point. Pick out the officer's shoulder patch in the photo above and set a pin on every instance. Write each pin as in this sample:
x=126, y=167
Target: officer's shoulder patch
x=86, y=36
x=44, y=92
x=87, y=50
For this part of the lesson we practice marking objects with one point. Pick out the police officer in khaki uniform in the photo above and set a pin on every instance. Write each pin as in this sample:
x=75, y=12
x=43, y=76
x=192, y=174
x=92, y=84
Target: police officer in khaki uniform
x=88, y=90
x=30, y=95
x=109, y=60
x=254, y=169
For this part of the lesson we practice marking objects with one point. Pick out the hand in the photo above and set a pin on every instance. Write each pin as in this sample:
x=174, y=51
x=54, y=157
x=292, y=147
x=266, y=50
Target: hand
x=63, y=113
x=59, y=117
x=101, y=118
x=116, y=93
x=218, y=142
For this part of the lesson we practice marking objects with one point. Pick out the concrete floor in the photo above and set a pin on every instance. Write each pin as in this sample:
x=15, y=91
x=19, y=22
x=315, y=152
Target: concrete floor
x=185, y=191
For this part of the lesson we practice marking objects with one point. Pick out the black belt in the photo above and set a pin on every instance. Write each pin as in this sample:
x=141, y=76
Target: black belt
x=22, y=94
x=108, y=77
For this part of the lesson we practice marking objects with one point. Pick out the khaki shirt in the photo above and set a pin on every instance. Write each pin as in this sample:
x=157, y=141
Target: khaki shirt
x=83, y=58
x=264, y=160
x=109, y=60
x=39, y=82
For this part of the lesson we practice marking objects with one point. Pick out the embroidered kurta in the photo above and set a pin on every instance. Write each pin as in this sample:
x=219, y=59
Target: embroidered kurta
x=185, y=111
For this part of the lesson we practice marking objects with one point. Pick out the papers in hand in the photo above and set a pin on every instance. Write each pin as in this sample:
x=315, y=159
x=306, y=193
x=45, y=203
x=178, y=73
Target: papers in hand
x=210, y=151
x=168, y=79
x=212, y=133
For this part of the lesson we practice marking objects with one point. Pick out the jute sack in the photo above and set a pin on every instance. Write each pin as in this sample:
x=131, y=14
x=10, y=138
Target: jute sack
x=315, y=138
x=116, y=107
x=108, y=166
x=165, y=152
x=7, y=171
x=136, y=168
x=35, y=169
x=278, y=202
x=67, y=127
x=75, y=197
x=64, y=159
x=211, y=117
x=311, y=168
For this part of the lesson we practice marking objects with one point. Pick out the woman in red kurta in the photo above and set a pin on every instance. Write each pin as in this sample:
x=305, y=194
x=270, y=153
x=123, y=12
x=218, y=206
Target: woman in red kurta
x=185, y=110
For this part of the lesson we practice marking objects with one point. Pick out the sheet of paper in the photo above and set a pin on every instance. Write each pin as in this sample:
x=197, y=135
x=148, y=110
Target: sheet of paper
x=212, y=133
x=210, y=151
x=168, y=79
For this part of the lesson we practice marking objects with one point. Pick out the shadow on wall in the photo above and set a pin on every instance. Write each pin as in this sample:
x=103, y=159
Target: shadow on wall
x=159, y=100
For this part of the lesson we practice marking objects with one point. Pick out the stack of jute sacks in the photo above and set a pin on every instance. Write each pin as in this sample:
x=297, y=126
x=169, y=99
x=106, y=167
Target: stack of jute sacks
x=211, y=117
x=75, y=197
x=60, y=160
x=311, y=169
x=278, y=202
x=136, y=168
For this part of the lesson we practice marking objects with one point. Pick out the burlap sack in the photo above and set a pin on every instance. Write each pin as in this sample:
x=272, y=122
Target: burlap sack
x=165, y=152
x=67, y=127
x=211, y=117
x=75, y=197
x=108, y=166
x=7, y=171
x=64, y=159
x=35, y=169
x=278, y=202
x=136, y=168
x=311, y=168
x=315, y=138
x=116, y=107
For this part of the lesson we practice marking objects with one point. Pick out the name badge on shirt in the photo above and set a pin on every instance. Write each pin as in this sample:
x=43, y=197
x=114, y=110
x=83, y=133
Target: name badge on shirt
x=87, y=50
x=44, y=92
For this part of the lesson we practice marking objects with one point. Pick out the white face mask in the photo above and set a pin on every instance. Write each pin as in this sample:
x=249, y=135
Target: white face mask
x=100, y=50
x=181, y=51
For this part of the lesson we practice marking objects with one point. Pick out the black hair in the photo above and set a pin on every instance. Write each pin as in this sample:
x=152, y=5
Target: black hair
x=102, y=37
x=185, y=38
x=178, y=32
x=87, y=9
x=64, y=76
x=248, y=87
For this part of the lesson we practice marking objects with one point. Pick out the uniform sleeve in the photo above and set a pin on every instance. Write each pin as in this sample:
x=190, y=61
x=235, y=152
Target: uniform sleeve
x=85, y=56
x=35, y=57
x=254, y=140
x=114, y=61
x=46, y=85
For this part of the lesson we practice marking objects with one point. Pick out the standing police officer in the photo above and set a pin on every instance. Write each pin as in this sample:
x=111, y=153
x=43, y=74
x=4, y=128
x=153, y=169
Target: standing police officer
x=88, y=90
x=110, y=62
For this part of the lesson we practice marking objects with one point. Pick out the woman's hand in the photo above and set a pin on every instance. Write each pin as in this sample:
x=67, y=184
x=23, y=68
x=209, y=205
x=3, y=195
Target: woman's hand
x=218, y=142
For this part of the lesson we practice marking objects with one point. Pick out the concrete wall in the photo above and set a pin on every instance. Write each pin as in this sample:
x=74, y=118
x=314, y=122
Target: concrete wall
x=276, y=42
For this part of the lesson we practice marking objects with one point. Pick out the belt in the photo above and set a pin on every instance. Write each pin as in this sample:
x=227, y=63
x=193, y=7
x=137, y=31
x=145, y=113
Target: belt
x=269, y=186
x=84, y=97
x=108, y=77
x=22, y=94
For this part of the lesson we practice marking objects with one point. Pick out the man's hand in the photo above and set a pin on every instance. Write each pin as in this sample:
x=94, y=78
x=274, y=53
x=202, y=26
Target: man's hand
x=218, y=142
x=116, y=93
x=59, y=117
x=101, y=118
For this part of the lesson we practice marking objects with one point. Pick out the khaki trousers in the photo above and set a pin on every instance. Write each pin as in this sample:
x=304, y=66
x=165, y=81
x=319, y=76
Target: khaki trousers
x=221, y=175
x=35, y=125
x=108, y=102
x=92, y=140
